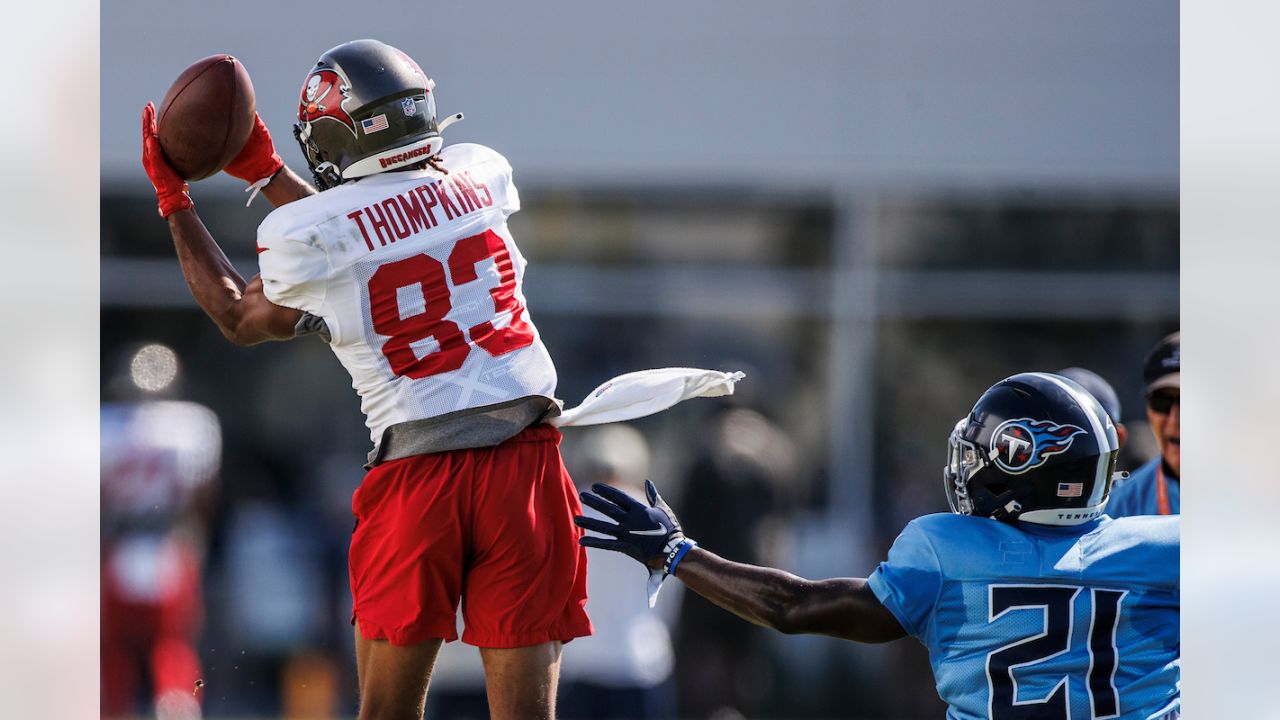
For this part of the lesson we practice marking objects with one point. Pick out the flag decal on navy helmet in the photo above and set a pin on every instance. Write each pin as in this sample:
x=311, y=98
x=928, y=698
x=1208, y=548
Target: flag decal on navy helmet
x=1024, y=444
x=1070, y=489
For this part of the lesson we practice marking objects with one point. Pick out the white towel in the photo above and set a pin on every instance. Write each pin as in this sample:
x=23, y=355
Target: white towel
x=645, y=392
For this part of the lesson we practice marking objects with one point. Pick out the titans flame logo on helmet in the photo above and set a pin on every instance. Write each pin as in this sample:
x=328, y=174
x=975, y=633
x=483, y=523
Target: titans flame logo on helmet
x=1024, y=444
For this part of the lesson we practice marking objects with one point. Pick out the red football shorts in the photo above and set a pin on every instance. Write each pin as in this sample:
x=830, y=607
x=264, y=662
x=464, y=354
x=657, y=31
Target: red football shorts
x=490, y=526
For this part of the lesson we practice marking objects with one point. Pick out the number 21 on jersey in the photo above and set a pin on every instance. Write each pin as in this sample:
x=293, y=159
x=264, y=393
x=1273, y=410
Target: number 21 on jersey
x=425, y=273
x=1057, y=604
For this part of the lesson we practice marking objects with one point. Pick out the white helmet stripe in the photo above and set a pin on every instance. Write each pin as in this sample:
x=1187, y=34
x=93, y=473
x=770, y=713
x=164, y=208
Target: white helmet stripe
x=394, y=158
x=1099, y=432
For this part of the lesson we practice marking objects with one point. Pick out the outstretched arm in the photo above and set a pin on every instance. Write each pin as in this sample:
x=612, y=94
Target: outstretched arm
x=841, y=607
x=241, y=311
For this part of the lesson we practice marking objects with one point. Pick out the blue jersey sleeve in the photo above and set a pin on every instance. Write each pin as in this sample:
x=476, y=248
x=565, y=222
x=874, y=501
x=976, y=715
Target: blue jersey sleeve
x=908, y=583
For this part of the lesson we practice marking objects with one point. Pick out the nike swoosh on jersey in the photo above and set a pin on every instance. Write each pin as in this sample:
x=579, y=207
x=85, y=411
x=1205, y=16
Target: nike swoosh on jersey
x=659, y=531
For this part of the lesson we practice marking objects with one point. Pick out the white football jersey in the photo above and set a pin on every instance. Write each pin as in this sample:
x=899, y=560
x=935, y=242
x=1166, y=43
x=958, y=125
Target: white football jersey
x=419, y=283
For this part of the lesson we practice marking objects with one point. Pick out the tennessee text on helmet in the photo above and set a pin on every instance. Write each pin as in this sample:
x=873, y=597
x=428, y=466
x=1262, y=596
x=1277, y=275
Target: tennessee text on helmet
x=365, y=108
x=1036, y=447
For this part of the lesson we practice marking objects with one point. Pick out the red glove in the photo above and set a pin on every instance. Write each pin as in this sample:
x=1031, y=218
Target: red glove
x=258, y=159
x=171, y=189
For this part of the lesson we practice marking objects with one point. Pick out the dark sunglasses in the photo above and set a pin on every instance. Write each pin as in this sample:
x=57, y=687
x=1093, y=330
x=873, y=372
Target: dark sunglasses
x=1162, y=402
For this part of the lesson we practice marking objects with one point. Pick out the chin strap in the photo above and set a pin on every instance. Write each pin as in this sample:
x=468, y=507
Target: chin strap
x=1007, y=511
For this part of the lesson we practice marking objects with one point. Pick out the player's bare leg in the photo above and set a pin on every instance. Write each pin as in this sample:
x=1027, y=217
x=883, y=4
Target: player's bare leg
x=521, y=682
x=393, y=680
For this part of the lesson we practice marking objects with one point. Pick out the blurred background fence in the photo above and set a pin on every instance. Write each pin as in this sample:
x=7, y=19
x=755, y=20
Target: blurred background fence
x=875, y=211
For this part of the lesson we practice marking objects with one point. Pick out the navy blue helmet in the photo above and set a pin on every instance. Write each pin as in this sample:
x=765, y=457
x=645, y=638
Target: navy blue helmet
x=1036, y=447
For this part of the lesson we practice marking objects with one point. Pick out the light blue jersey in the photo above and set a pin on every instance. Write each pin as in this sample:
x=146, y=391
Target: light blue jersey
x=1136, y=494
x=1027, y=621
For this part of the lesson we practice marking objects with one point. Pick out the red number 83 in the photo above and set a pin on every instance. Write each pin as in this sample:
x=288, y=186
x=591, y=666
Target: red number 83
x=429, y=274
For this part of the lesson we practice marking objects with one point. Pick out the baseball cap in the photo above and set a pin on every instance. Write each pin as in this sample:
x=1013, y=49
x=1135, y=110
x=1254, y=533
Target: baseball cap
x=1100, y=389
x=1163, y=366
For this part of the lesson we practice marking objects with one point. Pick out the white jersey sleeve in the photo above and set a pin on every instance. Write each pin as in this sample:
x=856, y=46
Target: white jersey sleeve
x=294, y=266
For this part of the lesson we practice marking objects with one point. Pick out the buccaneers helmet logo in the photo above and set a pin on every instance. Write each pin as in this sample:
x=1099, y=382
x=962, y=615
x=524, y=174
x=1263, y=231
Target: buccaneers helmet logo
x=323, y=94
x=1024, y=444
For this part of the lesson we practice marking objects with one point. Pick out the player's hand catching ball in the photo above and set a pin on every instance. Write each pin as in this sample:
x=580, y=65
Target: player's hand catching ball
x=649, y=533
x=171, y=189
x=258, y=159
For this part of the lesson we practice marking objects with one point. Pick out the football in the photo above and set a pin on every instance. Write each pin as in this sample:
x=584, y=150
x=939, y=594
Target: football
x=205, y=118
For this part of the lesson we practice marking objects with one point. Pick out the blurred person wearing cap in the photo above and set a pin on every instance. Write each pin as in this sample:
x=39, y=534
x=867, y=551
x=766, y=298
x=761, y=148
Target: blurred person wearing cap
x=1154, y=488
x=159, y=459
x=1102, y=391
x=624, y=670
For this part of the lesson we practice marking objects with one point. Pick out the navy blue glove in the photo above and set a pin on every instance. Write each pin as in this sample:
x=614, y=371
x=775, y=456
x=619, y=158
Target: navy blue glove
x=645, y=532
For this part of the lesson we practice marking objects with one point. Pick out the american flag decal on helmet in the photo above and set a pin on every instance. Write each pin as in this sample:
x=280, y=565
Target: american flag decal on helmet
x=1023, y=444
x=1069, y=490
x=374, y=124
